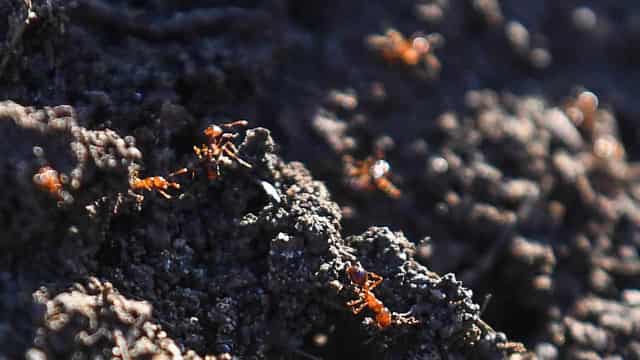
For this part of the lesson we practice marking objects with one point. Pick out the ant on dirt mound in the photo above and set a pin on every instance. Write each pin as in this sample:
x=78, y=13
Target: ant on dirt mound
x=366, y=281
x=220, y=148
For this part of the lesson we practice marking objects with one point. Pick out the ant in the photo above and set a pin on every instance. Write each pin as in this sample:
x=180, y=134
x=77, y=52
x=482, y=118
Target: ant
x=48, y=179
x=370, y=173
x=218, y=148
x=157, y=183
x=394, y=47
x=367, y=281
x=582, y=110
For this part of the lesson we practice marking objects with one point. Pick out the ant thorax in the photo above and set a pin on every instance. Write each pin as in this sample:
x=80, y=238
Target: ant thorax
x=379, y=169
x=213, y=131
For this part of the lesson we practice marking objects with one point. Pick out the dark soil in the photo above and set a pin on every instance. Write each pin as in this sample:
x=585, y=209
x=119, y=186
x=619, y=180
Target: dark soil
x=508, y=180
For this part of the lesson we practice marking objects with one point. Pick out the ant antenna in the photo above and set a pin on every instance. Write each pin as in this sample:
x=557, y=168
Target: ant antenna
x=485, y=303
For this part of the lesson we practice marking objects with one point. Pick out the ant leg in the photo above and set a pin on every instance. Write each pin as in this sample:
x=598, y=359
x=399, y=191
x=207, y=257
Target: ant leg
x=218, y=173
x=236, y=123
x=232, y=154
x=234, y=149
x=179, y=172
x=163, y=193
x=197, y=151
x=139, y=198
x=359, y=300
x=358, y=309
x=355, y=306
x=387, y=187
x=355, y=302
x=227, y=137
x=377, y=279
x=202, y=152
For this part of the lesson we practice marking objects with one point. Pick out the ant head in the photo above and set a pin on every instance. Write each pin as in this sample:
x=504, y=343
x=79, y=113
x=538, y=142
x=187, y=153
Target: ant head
x=357, y=274
x=213, y=131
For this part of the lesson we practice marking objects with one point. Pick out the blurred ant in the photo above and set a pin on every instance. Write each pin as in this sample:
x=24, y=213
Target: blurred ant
x=582, y=110
x=394, y=48
x=367, y=281
x=218, y=148
x=157, y=183
x=370, y=174
x=48, y=180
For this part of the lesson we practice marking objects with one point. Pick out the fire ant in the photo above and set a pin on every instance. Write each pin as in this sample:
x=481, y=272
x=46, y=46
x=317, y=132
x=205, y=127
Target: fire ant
x=219, y=148
x=370, y=173
x=394, y=48
x=48, y=179
x=367, y=281
x=157, y=183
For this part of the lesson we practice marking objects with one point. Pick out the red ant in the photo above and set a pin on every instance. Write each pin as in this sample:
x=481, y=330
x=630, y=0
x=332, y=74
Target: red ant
x=367, y=281
x=219, y=147
x=396, y=48
x=52, y=181
x=48, y=179
x=370, y=173
x=157, y=183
